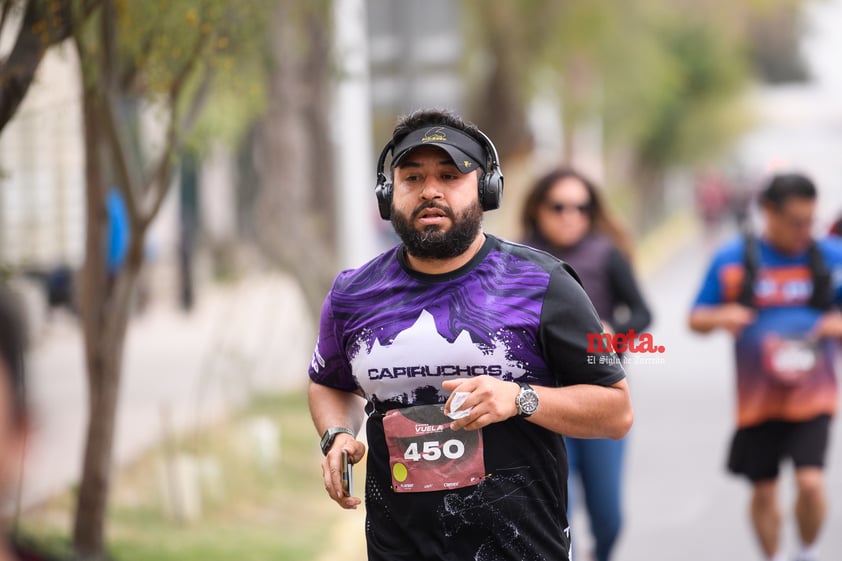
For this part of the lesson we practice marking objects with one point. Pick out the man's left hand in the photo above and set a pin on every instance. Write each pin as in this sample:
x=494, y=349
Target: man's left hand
x=829, y=325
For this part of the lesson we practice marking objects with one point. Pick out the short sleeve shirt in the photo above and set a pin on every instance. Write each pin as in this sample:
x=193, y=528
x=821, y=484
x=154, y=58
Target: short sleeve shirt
x=780, y=333
x=394, y=335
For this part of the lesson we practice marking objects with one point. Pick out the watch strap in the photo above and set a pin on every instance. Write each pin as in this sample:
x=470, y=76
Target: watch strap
x=330, y=435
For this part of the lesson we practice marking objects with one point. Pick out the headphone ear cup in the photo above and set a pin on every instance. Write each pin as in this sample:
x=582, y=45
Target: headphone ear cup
x=383, y=189
x=383, y=192
x=491, y=189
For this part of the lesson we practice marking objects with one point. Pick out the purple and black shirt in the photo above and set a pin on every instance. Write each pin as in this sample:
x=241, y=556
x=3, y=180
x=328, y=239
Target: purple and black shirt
x=394, y=335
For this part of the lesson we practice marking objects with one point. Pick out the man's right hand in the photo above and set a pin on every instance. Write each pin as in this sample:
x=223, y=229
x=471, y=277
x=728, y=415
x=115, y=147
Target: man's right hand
x=332, y=468
x=732, y=317
x=735, y=317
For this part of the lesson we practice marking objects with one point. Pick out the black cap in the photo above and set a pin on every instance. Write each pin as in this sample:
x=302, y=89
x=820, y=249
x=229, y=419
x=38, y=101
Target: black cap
x=465, y=151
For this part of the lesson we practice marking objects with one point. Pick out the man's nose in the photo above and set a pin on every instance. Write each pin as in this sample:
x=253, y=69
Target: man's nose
x=432, y=189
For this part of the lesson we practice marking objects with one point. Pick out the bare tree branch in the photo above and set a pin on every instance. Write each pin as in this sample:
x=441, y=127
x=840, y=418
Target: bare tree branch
x=127, y=182
x=189, y=64
x=158, y=180
x=199, y=99
x=44, y=24
x=7, y=8
x=131, y=71
x=108, y=76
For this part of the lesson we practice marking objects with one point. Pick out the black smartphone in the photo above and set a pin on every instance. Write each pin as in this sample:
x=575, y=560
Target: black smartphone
x=347, y=472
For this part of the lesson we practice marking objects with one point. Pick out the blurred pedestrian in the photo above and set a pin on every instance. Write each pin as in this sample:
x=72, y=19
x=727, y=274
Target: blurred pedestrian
x=471, y=354
x=14, y=419
x=836, y=227
x=740, y=202
x=712, y=199
x=564, y=215
x=779, y=295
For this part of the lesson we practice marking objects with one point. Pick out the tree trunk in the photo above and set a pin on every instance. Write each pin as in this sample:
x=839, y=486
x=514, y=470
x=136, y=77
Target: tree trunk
x=650, y=187
x=293, y=226
x=501, y=108
x=105, y=304
x=106, y=296
x=318, y=76
x=502, y=115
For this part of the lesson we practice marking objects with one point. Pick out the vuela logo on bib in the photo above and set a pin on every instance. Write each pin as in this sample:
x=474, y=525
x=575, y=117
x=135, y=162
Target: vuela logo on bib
x=419, y=429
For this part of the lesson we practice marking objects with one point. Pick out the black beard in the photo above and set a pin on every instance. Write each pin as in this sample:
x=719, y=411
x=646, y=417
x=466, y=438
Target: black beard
x=432, y=242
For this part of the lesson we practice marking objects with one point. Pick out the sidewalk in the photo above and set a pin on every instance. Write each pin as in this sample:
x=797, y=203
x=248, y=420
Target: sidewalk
x=187, y=368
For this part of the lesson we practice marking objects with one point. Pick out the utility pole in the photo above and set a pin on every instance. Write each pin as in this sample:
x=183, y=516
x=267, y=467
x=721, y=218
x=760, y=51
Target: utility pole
x=356, y=204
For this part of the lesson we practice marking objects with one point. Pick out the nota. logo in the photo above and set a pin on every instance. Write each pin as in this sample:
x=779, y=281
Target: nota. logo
x=623, y=342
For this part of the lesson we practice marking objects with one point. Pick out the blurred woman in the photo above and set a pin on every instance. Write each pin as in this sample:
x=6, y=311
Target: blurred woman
x=565, y=216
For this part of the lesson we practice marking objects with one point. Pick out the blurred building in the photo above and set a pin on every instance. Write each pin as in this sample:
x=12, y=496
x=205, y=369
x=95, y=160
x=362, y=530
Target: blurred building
x=414, y=66
x=42, y=193
x=42, y=184
x=42, y=204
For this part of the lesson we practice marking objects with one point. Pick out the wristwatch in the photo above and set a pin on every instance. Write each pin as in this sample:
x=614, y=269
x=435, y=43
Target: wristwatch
x=527, y=400
x=330, y=435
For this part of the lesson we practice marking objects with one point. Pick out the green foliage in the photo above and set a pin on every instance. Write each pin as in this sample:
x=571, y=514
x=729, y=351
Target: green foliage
x=664, y=75
x=235, y=62
x=43, y=545
x=206, y=57
x=238, y=96
x=691, y=105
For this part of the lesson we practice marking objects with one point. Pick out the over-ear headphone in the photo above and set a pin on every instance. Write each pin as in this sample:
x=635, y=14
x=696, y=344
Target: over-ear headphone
x=491, y=182
x=490, y=185
x=384, y=189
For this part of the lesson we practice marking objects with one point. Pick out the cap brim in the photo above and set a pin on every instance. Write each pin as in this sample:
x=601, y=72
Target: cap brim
x=466, y=151
x=464, y=163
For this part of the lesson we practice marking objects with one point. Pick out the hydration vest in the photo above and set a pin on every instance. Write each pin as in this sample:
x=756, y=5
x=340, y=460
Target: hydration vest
x=822, y=295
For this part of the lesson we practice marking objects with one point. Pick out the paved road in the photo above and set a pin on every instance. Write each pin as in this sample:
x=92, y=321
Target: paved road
x=681, y=504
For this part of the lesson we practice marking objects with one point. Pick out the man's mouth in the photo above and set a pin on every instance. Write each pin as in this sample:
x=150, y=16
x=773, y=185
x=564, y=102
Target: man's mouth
x=431, y=215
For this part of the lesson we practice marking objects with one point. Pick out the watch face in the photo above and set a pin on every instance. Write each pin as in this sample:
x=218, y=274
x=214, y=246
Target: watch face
x=528, y=402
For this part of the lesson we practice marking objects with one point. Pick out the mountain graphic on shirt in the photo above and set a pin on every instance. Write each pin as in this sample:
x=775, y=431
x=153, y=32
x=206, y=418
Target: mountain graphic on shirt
x=411, y=368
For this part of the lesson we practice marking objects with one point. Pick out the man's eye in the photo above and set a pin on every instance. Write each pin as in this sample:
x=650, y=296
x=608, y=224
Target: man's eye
x=448, y=176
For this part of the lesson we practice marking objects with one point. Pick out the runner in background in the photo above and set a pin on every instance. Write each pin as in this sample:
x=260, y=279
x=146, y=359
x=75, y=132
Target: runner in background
x=779, y=295
x=564, y=215
x=713, y=199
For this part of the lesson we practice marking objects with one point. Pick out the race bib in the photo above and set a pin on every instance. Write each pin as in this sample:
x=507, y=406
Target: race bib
x=789, y=360
x=426, y=455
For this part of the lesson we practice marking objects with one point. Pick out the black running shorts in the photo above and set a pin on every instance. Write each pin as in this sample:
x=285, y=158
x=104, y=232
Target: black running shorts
x=757, y=452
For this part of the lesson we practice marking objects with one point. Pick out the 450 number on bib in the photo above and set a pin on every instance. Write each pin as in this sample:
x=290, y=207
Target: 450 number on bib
x=426, y=455
x=432, y=450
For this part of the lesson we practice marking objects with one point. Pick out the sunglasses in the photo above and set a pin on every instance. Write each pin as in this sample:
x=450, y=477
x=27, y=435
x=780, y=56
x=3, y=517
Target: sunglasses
x=560, y=208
